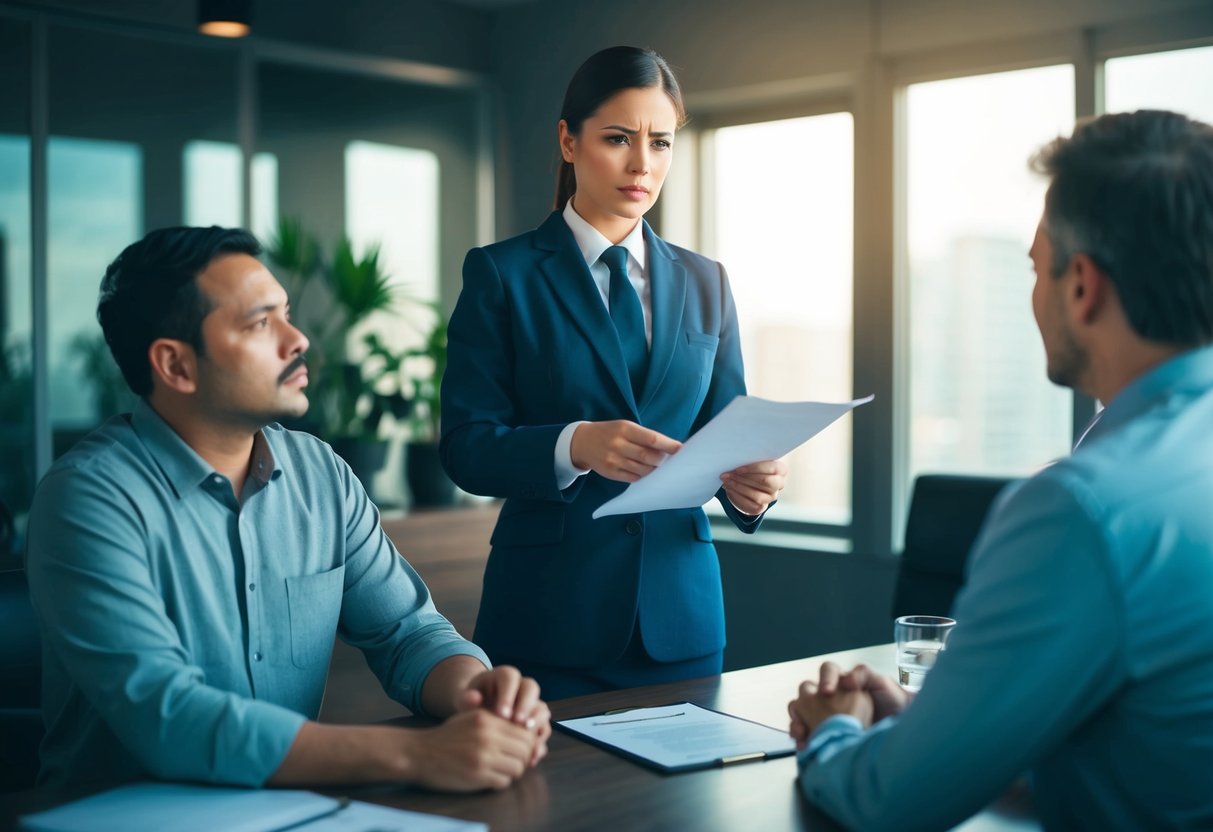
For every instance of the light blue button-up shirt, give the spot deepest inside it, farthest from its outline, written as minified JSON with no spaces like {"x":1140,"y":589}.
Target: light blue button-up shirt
{"x":1083,"y":649}
{"x":186,"y":635}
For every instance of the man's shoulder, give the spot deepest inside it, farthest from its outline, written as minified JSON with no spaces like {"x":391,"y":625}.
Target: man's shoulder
{"x":1162,"y":451}
{"x":111,"y":451}
{"x":307,"y":454}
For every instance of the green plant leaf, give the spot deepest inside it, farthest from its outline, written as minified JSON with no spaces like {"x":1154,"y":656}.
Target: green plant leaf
{"x":359,"y":285}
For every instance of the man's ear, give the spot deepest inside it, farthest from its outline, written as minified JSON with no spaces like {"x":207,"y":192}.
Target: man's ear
{"x":175,"y":364}
{"x":1090,"y":290}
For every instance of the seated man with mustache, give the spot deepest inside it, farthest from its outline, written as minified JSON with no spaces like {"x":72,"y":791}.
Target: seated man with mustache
{"x":192,"y":561}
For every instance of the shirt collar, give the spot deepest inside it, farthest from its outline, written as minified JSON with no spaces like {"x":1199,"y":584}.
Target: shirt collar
{"x":593,"y":244}
{"x":181,"y":464}
{"x":1189,"y":373}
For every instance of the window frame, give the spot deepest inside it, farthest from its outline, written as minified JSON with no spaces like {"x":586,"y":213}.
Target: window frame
{"x":732,"y":109}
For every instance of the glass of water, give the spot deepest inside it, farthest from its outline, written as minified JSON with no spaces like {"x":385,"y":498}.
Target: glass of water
{"x":919,"y":640}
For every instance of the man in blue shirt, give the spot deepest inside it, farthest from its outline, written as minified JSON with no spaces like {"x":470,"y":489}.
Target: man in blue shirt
{"x":191,"y":563}
{"x":1083,"y":651}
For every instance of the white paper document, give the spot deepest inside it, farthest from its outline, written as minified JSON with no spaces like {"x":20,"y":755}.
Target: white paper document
{"x":682,"y":737}
{"x":156,"y":807}
{"x":748,"y":430}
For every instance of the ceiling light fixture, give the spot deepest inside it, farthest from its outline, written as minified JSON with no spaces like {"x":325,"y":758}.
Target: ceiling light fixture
{"x":225,"y":18}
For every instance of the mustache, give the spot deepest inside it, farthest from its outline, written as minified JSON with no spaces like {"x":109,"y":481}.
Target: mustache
{"x":293,"y":367}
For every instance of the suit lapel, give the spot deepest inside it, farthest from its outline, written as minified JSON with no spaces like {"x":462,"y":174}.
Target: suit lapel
{"x":667,"y":295}
{"x":570,"y":282}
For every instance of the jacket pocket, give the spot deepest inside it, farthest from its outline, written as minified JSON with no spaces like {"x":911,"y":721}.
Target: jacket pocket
{"x":529,"y":525}
{"x":314,"y":606}
{"x":704,"y":341}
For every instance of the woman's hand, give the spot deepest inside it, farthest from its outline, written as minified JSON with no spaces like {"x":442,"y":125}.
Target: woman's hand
{"x":751,"y":488}
{"x":620,"y":450}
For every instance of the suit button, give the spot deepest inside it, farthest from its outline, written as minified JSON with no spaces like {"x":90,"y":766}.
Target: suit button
{"x":632,"y":527}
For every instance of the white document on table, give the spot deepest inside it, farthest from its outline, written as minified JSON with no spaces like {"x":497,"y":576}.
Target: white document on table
{"x":748,"y":430}
{"x":681,"y":737}
{"x":154,"y":807}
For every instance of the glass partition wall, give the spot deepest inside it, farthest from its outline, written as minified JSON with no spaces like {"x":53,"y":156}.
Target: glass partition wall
{"x":17,"y":472}
{"x":127,"y":116}
{"x":129,"y":129}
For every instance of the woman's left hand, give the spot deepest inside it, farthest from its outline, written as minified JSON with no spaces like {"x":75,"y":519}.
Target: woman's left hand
{"x":751,"y":488}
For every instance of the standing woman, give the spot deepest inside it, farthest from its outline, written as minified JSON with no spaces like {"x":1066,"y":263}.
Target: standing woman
{"x":580,"y":355}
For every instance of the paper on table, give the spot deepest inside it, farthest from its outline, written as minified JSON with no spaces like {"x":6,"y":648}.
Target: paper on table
{"x":748,"y":430}
{"x":182,"y":808}
{"x":682,"y":736}
{"x":159,"y":806}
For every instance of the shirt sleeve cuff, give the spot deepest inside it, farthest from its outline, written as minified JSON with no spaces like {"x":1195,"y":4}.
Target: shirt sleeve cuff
{"x":265,"y":748}
{"x":566,"y":472}
{"x":834,"y":728}
{"x":439,"y":647}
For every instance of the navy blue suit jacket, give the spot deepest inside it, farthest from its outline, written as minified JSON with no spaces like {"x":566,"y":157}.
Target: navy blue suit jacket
{"x":531,"y":349}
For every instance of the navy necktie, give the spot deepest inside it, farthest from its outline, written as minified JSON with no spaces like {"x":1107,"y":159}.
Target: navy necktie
{"x":628,"y":316}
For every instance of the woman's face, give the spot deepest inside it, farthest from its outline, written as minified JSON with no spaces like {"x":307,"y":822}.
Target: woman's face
{"x":621,"y":158}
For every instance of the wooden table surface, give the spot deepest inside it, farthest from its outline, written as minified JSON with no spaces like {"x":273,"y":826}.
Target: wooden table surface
{"x":582,"y":787}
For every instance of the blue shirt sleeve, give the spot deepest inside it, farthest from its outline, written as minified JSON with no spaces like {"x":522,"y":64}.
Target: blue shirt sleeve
{"x":387,"y":611}
{"x":1034,"y":653}
{"x":102,"y":617}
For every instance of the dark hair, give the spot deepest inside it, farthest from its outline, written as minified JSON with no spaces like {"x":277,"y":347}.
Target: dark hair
{"x":601,"y":76}
{"x":150,"y":291}
{"x":1134,"y":192}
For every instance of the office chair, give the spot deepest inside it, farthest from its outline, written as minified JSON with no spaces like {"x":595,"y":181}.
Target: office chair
{"x":21,"y":727}
{"x":946,"y":513}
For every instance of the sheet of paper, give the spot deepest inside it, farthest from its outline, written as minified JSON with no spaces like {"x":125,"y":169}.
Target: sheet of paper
{"x":155,"y":807}
{"x":676,"y":736}
{"x":748,"y":430}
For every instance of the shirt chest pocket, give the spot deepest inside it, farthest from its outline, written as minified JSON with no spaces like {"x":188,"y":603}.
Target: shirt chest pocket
{"x":314,"y":606}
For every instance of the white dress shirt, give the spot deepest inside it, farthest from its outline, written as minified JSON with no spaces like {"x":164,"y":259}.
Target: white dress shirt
{"x":592,"y":244}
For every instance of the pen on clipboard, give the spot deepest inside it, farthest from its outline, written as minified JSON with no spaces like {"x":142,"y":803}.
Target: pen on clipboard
{"x":636,"y":719}
{"x":742,"y":758}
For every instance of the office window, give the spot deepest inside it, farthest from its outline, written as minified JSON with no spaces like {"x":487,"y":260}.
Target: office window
{"x":391,"y":198}
{"x":979,"y":400}
{"x":212,"y":183}
{"x":780,"y":219}
{"x":213,"y":188}
{"x":265,"y":196}
{"x":1161,"y":81}
{"x":96,"y":208}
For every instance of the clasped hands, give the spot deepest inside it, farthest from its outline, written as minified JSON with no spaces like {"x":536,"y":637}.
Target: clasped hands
{"x":862,"y":693}
{"x":624,"y":451}
{"x":500,"y":728}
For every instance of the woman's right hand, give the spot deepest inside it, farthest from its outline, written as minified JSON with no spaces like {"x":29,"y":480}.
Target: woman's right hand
{"x":619,"y":450}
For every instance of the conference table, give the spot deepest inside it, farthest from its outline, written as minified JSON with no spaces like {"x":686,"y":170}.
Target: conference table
{"x":582,"y":787}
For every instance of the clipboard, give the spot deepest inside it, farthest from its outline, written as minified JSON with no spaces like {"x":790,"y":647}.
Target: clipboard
{"x":680,"y":737}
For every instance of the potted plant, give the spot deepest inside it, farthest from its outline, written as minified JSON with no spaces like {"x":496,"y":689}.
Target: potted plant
{"x":333,"y":298}
{"x":427,"y":480}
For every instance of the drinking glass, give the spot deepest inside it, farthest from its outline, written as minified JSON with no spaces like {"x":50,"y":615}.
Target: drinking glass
{"x":919,"y":640}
